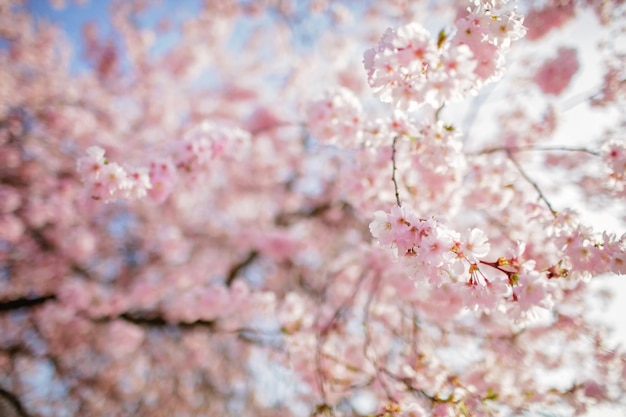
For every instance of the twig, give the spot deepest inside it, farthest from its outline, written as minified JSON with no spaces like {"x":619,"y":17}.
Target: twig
{"x":368,"y":342}
{"x":234,"y":271}
{"x":434,"y":399}
{"x":393,"y":172}
{"x":531,"y":148}
{"x":148,"y":320}
{"x":581,"y":98}
{"x":531,"y":182}
{"x":322,"y":335}
{"x":438,"y":112}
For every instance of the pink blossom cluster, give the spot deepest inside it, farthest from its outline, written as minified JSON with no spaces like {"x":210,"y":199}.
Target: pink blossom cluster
{"x":613,"y":86}
{"x":437,"y":159}
{"x":586,"y":252}
{"x":555,"y":74}
{"x":108,"y":181}
{"x":11,"y":227}
{"x":163,"y":178}
{"x":548,"y":17}
{"x":436,"y":253}
{"x":207,"y":142}
{"x":429,"y":157}
{"x":614,"y":156}
{"x":190,"y":157}
{"x":409,"y":67}
{"x":336,"y":117}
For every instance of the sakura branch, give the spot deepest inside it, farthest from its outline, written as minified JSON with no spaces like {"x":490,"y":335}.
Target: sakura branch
{"x":531,"y":182}
{"x":236,"y":269}
{"x":368,"y":346}
{"x":534,"y":148}
{"x":394,"y":170}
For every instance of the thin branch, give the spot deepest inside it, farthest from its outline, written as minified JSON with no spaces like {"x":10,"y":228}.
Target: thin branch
{"x":237,"y":268}
{"x":319,"y":378}
{"x":368,"y":342}
{"x":581,"y":98}
{"x":531,"y":148}
{"x":498,"y":224}
{"x":287,"y":218}
{"x":323,"y":333}
{"x":24,"y":302}
{"x":531,"y":182}
{"x":158,"y":321}
{"x":150,"y":320}
{"x":393,"y":172}
{"x":438,"y":112}
{"x":406,"y":381}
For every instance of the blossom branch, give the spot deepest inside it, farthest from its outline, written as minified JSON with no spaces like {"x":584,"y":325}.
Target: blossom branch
{"x":237,"y":268}
{"x":531,"y":182}
{"x":531,"y":148}
{"x":394,"y":169}
{"x":420,"y":393}
{"x":319,"y":378}
{"x":247,"y":334}
{"x":288,"y":218}
{"x":581,"y":98}
{"x":158,"y":321}
{"x":321,"y":338}
{"x":438,"y":112}
{"x":368,"y":342}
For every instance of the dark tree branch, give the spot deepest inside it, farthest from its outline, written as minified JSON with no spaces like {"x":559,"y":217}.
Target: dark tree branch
{"x":246,"y":334}
{"x":237,"y":268}
{"x":16,"y":304}
{"x":14,"y":405}
{"x":158,"y":321}
{"x":285,"y":219}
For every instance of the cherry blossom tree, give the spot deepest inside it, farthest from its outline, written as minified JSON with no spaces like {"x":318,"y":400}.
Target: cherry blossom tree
{"x":310,"y":208}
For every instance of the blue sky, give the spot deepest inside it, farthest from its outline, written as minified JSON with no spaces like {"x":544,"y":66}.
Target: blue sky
{"x":73,"y":17}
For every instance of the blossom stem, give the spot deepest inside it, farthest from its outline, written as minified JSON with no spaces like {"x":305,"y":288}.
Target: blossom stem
{"x":496,"y":266}
{"x":393,"y":172}
{"x":531,"y":182}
